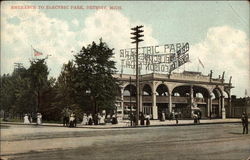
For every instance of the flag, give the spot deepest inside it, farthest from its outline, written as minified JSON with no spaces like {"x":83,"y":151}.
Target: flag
{"x":201,"y":63}
{"x":37,"y":53}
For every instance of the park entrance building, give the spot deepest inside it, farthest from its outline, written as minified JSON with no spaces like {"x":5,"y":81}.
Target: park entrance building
{"x":178,"y":92}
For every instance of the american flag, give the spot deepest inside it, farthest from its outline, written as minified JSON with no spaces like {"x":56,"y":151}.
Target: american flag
{"x":37,"y":53}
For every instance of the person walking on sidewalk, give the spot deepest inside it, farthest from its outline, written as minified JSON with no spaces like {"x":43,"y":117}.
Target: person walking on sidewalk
{"x":244,"y":119}
{"x":26,"y":119}
{"x":39,"y":119}
{"x":176,"y":117}
{"x":147,"y":119}
{"x":142,"y":118}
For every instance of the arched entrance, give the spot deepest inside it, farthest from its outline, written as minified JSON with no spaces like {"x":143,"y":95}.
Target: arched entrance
{"x":147,"y":99}
{"x":162,"y":99}
{"x":184,"y":96}
{"x":129,"y":99}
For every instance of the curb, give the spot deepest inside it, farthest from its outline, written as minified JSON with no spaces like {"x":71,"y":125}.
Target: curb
{"x":118,"y":127}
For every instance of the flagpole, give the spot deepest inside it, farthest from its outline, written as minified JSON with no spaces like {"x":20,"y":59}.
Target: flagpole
{"x":31,"y":52}
{"x":198,"y":65}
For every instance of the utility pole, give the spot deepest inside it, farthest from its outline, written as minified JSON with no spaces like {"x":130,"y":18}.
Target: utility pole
{"x":136,"y":37}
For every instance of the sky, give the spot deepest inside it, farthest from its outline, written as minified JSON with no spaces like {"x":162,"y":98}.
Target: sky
{"x":217,"y":32}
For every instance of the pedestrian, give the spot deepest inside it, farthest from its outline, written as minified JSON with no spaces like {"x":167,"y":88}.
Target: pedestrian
{"x":99,"y":118}
{"x":26,"y":119}
{"x":39,"y":119}
{"x":131,"y":117}
{"x":90,"y":119}
{"x":84,"y":119}
{"x":95,"y":119}
{"x":66,"y":114}
{"x":244,"y":119}
{"x":114,"y":119}
{"x":142,"y":118}
{"x":163,"y":116}
{"x":108,"y":119}
{"x":72,"y":120}
{"x":102,"y":119}
{"x":198,"y":116}
{"x":147,"y":120}
{"x":195,"y":118}
{"x":176,"y":118}
{"x":30,"y":118}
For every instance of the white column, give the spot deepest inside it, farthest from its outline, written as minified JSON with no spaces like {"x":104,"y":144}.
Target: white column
{"x":122,"y":100}
{"x":209,"y":106}
{"x":223,"y":110}
{"x":170,"y":101}
{"x":208,"y":109}
{"x":220,"y":107}
{"x":154,"y":106}
{"x":191,"y":100}
{"x":140,"y":99}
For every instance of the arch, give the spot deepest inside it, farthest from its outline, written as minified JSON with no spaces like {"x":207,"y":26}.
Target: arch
{"x":146,"y":90}
{"x":127,"y":90}
{"x":181,"y":90}
{"x":160,"y":84}
{"x":226,"y":94}
{"x":162,"y":90}
{"x":184,"y":90}
{"x":217,"y":92}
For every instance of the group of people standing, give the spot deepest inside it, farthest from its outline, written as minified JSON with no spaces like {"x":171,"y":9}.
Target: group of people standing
{"x":143,"y":118}
{"x":28,"y":119}
{"x":171,"y":116}
{"x":70,"y":119}
{"x":98,"y":119}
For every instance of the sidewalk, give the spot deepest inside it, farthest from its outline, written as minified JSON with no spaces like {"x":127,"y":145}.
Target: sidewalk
{"x":153,"y":123}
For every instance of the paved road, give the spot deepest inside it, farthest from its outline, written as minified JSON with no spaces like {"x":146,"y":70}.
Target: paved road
{"x":208,"y":142}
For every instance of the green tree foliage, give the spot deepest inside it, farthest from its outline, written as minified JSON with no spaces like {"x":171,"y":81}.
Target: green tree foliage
{"x":7,"y":96}
{"x":65,"y":94}
{"x":94,"y":70}
{"x":23,"y":90}
{"x":16,"y":93}
{"x":85,"y":84}
{"x":38,"y":74}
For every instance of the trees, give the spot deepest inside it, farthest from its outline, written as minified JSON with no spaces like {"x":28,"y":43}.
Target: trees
{"x":94,"y":79}
{"x":16,"y":94}
{"x":38,"y":75}
{"x":85,"y":84}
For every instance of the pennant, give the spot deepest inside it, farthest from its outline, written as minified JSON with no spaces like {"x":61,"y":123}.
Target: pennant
{"x":37,"y":53}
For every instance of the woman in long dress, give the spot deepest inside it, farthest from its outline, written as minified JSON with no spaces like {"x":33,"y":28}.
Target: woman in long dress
{"x":26,"y":119}
{"x":39,"y":118}
{"x":84,"y":119}
{"x":102,"y":119}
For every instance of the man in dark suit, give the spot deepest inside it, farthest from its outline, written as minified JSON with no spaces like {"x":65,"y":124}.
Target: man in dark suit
{"x":244,"y":119}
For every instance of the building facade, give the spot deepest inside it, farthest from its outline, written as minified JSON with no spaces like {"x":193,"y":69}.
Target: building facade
{"x":240,"y":105}
{"x":179,"y":92}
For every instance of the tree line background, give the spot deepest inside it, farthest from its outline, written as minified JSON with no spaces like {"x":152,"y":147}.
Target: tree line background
{"x":85,"y":84}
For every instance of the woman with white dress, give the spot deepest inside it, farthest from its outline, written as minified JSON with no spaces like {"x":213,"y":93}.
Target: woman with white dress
{"x":84,"y":119}
{"x":26,"y":119}
{"x":102,"y":119}
{"x":39,"y":118}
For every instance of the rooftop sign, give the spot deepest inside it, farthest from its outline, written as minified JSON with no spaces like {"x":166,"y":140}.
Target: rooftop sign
{"x":159,"y":58}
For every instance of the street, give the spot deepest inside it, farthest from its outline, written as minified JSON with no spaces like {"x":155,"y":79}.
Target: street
{"x":213,"y":141}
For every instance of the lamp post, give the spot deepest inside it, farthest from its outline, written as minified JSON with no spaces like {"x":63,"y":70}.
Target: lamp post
{"x":136,"y":37}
